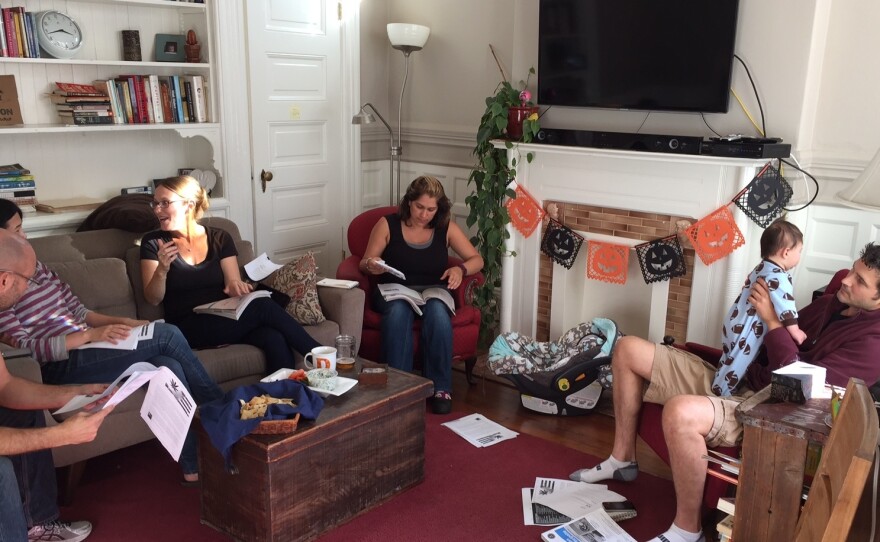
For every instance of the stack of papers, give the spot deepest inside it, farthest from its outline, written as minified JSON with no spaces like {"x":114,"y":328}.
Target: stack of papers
{"x":565,"y":499}
{"x":480,"y":431}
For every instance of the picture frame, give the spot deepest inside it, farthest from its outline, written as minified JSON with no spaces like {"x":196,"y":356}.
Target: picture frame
{"x":169,"y":48}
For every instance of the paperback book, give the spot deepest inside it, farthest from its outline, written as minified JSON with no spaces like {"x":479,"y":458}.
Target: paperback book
{"x":231,"y":307}
{"x":392,"y":292}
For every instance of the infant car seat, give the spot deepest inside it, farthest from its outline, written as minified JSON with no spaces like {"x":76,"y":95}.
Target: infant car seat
{"x":565,"y":377}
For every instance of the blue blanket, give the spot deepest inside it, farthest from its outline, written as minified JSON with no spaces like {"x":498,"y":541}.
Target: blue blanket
{"x":222,"y":421}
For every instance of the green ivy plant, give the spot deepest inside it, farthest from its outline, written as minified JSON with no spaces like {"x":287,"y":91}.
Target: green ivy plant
{"x":490,"y":177}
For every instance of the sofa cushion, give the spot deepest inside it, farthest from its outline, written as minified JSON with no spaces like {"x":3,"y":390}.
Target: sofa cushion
{"x":101,"y":284}
{"x":233,"y":362}
{"x":299,"y":280}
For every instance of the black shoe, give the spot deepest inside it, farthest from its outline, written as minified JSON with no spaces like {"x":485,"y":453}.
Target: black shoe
{"x":441,"y":403}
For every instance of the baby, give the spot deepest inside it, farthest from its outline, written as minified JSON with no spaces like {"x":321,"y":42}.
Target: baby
{"x":743,"y":330}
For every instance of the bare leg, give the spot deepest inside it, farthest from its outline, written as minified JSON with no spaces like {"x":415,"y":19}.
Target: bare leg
{"x":687,"y":419}
{"x":631,"y":366}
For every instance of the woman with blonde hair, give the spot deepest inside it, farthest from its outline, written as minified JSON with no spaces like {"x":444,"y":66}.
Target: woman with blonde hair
{"x":416,"y":240}
{"x":185,"y":264}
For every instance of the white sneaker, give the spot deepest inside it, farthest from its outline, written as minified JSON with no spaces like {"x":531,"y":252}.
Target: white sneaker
{"x":58,"y":530}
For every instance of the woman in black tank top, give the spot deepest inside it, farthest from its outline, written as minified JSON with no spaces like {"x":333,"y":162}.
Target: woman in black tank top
{"x":416,"y":240}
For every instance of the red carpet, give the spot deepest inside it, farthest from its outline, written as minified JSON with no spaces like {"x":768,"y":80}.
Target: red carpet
{"x":468,"y":493}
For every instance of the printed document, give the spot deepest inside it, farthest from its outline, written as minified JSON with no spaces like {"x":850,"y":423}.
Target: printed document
{"x":138,"y":333}
{"x":168,"y":408}
{"x":480,"y":431}
{"x":597,"y":526}
{"x":261,"y":267}
{"x":573,"y":499}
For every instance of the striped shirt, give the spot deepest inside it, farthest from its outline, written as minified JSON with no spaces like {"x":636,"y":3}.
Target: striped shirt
{"x":46,"y":313}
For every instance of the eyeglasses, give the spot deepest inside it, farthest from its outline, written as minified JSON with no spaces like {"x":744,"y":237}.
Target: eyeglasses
{"x":163,"y":204}
{"x":30,"y":280}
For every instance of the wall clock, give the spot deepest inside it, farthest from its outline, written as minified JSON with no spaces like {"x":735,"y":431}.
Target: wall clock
{"x":58,"y":34}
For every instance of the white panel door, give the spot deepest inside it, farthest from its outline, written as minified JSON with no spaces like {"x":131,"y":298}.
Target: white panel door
{"x":295,"y":64}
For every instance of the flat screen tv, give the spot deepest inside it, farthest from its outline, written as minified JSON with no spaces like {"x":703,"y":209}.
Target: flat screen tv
{"x":670,"y":55}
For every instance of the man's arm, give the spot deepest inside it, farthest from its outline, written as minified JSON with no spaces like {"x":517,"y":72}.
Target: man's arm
{"x":82,"y":427}
{"x":22,"y":394}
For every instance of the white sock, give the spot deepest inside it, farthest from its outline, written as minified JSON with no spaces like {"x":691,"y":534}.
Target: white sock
{"x":606,"y":470}
{"x":677,"y":534}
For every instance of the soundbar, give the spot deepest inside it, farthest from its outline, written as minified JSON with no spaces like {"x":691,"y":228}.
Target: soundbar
{"x":745,"y":149}
{"x":621,"y":140}
{"x":738,"y":148}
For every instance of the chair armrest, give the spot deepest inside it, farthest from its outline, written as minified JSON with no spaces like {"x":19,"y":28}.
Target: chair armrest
{"x":25,"y":367}
{"x":350,"y":269}
{"x":464,"y":294}
{"x":345,"y":307}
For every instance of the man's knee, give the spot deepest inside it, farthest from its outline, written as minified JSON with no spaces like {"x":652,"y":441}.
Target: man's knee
{"x":631,"y":351}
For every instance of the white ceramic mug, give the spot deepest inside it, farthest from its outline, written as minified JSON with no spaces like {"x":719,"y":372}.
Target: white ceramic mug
{"x":324,"y":357}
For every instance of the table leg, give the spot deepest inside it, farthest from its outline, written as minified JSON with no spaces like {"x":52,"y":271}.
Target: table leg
{"x":768,"y":495}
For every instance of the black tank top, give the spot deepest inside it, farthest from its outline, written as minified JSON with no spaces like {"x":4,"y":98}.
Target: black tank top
{"x":422,"y":266}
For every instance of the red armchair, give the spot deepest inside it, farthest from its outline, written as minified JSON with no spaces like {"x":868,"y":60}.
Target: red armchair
{"x":465,"y":323}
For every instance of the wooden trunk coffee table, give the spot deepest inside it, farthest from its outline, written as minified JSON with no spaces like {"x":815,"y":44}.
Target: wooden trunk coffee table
{"x":366,"y":446}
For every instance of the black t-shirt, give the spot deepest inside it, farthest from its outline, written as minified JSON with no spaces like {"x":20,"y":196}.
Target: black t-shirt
{"x":188,"y":286}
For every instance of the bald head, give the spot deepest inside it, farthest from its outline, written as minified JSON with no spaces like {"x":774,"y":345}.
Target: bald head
{"x":17,"y":263}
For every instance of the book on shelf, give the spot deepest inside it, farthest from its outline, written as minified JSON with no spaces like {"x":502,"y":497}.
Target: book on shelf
{"x":231,"y":307}
{"x":727,"y":505}
{"x":722,"y":475}
{"x":725,"y":462}
{"x":58,"y":99}
{"x":10,"y":193}
{"x":196,"y":83}
{"x":725,"y":526}
{"x":13,"y":170}
{"x":391,"y":292}
{"x":156,"y":98}
{"x":87,"y":121}
{"x":66,"y":205}
{"x":77,"y":89}
{"x":177,"y":96}
{"x":3,"y":49}
{"x":16,"y":183}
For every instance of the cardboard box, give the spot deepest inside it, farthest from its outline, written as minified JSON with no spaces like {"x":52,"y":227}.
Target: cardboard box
{"x":10,"y":110}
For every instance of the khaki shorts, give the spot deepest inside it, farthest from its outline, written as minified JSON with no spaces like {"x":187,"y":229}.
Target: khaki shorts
{"x":676,"y":372}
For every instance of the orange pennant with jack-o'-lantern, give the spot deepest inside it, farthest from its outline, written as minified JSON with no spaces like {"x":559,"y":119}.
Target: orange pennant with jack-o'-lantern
{"x":715,"y":236}
{"x":607,"y":261}
{"x":525,"y":213}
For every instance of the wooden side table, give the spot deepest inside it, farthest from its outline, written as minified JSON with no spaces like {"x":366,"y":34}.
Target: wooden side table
{"x":774,"y":451}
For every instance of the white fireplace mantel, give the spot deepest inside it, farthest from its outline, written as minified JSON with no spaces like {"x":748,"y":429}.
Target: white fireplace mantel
{"x":669,"y":184}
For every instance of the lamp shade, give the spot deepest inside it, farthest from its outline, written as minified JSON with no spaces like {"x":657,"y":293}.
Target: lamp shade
{"x":864,"y":192}
{"x":404,"y":35}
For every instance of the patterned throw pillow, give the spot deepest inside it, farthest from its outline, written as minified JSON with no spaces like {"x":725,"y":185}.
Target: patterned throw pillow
{"x":298,"y":279}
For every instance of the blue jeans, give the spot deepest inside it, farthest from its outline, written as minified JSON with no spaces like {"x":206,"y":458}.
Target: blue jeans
{"x":263,"y":324}
{"x":167,"y":348}
{"x":28,"y":491}
{"x":13,"y":527}
{"x":435,"y":340}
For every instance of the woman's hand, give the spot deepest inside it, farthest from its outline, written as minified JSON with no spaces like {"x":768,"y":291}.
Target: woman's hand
{"x":454,"y":276}
{"x":112,"y":333}
{"x":167,"y":253}
{"x":133,"y":323}
{"x":371,"y":268}
{"x":237,"y":287}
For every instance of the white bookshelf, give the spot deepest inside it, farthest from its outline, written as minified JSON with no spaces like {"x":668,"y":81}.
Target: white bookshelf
{"x":97,"y":161}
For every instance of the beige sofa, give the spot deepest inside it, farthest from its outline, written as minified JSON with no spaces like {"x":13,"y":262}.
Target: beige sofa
{"x":103,"y":269}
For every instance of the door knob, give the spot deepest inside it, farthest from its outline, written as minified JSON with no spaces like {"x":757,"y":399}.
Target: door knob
{"x":265,"y":177}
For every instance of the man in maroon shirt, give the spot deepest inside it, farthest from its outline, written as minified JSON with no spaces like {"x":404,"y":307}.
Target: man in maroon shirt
{"x":843,"y":335}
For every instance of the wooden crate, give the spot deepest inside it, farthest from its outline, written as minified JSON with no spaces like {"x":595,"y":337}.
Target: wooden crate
{"x":365,"y":447}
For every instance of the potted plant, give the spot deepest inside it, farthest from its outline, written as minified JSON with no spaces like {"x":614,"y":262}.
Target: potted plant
{"x":511,"y":115}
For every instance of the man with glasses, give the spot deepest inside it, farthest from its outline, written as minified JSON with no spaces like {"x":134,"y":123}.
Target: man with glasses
{"x":28,"y":489}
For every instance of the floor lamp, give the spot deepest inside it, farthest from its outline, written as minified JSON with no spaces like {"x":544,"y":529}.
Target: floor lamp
{"x":365,"y":117}
{"x":406,"y":38}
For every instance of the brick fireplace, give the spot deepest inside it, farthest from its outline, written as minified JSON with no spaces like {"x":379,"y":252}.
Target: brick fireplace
{"x":626,"y":225}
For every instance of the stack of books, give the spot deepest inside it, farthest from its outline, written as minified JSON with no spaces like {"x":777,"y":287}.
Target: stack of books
{"x":17,"y":33}
{"x":81,"y":104}
{"x":17,"y":184}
